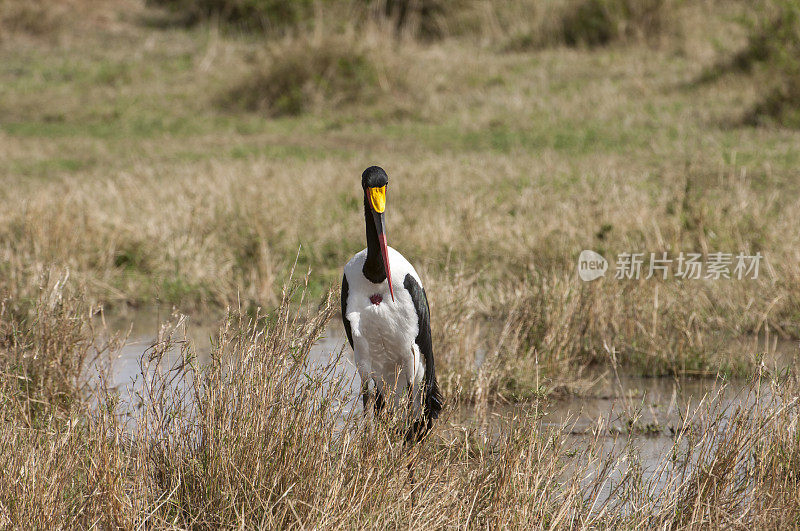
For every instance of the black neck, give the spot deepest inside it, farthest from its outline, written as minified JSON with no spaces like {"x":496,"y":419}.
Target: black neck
{"x":373,"y":267}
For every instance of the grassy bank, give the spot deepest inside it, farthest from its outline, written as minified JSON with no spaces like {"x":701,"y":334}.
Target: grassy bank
{"x":255,"y":440}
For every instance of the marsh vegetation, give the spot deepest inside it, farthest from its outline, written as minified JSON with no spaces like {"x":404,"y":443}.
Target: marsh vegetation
{"x":192,"y":154}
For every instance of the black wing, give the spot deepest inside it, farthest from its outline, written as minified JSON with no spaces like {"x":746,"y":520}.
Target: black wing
{"x":433,"y":398}
{"x":347,"y":329}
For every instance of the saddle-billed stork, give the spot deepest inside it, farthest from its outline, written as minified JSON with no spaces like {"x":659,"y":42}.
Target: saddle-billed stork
{"x":387,"y":320}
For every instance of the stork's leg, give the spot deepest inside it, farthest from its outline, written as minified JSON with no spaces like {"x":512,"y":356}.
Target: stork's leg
{"x":415,"y":373}
{"x":380,"y":402}
{"x":365,"y":395}
{"x":363,"y":365}
{"x":420,"y":423}
{"x":412,"y":481}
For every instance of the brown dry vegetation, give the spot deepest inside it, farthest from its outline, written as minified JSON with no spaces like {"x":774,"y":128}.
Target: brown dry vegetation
{"x":256,"y":440}
{"x":194,"y":166}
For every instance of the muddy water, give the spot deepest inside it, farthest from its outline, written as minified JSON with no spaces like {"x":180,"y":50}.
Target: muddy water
{"x":142,"y":329}
{"x":622,"y":410}
{"x":657,"y":402}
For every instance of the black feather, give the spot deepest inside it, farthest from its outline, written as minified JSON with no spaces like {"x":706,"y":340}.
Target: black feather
{"x":345,"y":292}
{"x":432,"y":396}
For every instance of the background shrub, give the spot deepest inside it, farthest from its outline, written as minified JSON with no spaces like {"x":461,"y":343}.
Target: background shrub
{"x":263,"y":15}
{"x":30,"y":17}
{"x":299,"y":75}
{"x":775,"y":41}
{"x":600,"y":22}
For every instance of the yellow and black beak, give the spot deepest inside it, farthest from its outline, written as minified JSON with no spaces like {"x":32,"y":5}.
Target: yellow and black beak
{"x":377,"y":201}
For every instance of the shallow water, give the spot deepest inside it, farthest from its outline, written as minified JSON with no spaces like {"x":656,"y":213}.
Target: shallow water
{"x":143,"y":327}
{"x":658,"y":402}
{"x":621,"y":410}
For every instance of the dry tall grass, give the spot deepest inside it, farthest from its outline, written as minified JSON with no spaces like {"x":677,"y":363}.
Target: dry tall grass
{"x":231,"y":234}
{"x":256,"y":439}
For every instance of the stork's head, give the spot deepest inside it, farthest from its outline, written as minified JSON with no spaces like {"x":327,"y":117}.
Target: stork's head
{"x":374,"y":177}
{"x":374,"y":181}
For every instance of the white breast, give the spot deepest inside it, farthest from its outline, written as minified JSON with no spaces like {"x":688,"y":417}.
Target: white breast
{"x":384,"y":334}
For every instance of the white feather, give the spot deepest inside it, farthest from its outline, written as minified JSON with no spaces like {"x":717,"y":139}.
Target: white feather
{"x":384,"y":334}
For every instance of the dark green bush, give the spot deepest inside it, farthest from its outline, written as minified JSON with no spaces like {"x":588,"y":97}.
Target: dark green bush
{"x":774,"y":41}
{"x":295,"y":78}
{"x":31,"y":17}
{"x":600,"y":22}
{"x":781,"y":104}
{"x":426,"y":19}
{"x":260,"y":15}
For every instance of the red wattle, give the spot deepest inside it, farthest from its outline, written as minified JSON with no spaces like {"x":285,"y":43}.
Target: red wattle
{"x":385,"y":252}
